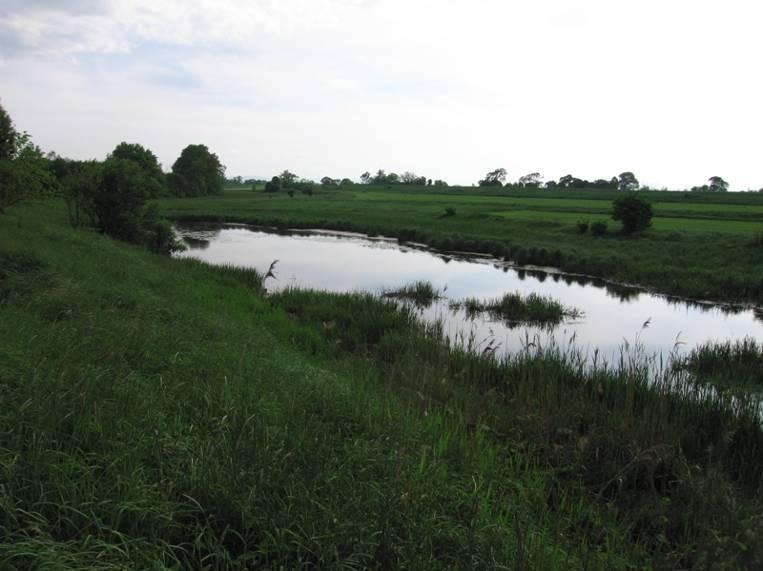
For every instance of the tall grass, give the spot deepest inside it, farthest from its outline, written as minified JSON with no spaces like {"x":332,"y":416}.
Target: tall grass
{"x":161,"y":413}
{"x":515,"y":308}
{"x":422,"y":293}
{"x":734,"y":365}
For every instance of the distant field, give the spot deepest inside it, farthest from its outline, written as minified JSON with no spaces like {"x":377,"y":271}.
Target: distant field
{"x":668,"y":215}
{"x":660,"y":223}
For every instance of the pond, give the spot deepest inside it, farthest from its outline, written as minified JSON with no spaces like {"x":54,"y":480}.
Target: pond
{"x":614,"y":316}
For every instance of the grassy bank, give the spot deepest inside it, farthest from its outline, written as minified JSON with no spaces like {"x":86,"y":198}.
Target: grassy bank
{"x":700,"y":246}
{"x":159,"y":413}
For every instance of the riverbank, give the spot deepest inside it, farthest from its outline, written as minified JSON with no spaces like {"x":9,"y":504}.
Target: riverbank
{"x":697,"y":249}
{"x":161,"y":412}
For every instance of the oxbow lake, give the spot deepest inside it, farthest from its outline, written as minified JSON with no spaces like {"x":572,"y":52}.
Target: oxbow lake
{"x":615,"y":317}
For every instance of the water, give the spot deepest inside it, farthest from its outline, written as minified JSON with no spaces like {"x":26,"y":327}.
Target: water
{"x":613,"y":315}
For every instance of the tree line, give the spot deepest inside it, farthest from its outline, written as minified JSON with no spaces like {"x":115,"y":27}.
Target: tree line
{"x":111,"y":195}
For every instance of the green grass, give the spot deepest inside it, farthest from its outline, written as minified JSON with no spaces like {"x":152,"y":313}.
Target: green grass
{"x":736,"y":366}
{"x":706,"y":252}
{"x":160,"y":413}
{"x":745,"y":229}
{"x":514,"y":308}
{"x":421,"y":293}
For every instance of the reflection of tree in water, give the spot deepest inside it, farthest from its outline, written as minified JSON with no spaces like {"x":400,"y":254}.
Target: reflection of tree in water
{"x":196,"y":243}
{"x":758,"y":313}
{"x":622,"y":293}
{"x":705,"y":307}
{"x":199,"y":236}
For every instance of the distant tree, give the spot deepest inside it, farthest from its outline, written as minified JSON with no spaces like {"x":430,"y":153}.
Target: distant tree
{"x":627,"y":181}
{"x":365,"y":178}
{"x":7,"y":136}
{"x":288,"y":178}
{"x":494,"y":178}
{"x":551,"y":184}
{"x":429,"y":182}
{"x":409,"y":177}
{"x":531,"y":180}
{"x":147,"y":161}
{"x":440,"y":183}
{"x":273,"y":185}
{"x":345,"y":182}
{"x":196,"y":172}
{"x":717,"y":184}
{"x":633,"y":211}
{"x":393,"y":178}
{"x":328,"y":181}
{"x":566,"y":181}
{"x":601,"y":183}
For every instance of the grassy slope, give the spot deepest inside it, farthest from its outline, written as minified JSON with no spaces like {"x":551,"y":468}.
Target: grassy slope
{"x":155,"y":413}
{"x":702,"y":248}
{"x":158,"y":413}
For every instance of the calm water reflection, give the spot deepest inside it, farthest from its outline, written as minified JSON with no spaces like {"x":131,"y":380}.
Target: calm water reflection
{"x":342,"y":263}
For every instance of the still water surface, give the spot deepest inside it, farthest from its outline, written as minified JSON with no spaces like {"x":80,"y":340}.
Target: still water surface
{"x":613,"y":315}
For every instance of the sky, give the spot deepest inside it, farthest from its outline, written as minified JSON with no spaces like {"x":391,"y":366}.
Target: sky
{"x":448,"y":89}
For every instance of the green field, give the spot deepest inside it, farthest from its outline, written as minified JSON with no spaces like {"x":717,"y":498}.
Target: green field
{"x":701,"y":246}
{"x":158,"y":413}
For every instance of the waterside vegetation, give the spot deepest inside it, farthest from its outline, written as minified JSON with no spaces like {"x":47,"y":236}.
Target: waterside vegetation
{"x":163,"y":413}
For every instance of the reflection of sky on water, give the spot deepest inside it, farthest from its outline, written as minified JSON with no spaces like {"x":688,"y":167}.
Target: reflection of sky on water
{"x":340,"y":264}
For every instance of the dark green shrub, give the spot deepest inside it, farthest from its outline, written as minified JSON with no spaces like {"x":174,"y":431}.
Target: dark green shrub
{"x":633,"y":211}
{"x":599,"y":228}
{"x":582,"y":226}
{"x":449,"y":211}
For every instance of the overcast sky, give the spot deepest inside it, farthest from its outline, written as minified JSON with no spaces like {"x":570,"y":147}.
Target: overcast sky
{"x":669,"y":89}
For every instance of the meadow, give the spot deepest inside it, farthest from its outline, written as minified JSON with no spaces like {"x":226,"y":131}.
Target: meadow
{"x":160,"y":413}
{"x":700,"y":245}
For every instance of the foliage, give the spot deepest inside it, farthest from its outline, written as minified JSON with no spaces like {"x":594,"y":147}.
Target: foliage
{"x":582,"y":226}
{"x":599,"y":228}
{"x":196,"y":172}
{"x":531,"y":180}
{"x":273,"y":185}
{"x":716,"y":184}
{"x":450,"y":211}
{"x":494,"y":178}
{"x":25,"y":174}
{"x":147,"y":161}
{"x":633,"y":211}
{"x":8,"y":136}
{"x":111,"y":196}
{"x":627,"y":181}
{"x":79,"y":187}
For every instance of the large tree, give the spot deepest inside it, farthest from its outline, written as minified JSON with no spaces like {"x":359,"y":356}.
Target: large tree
{"x":146,"y":160}
{"x":24,"y":171}
{"x":7,"y":136}
{"x":197,"y":172}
